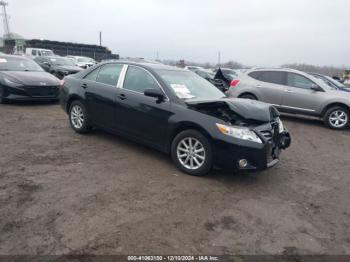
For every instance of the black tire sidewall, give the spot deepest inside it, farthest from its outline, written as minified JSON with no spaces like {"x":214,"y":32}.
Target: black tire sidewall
{"x":206,"y":167}
{"x":85,"y":128}
{"x":248,"y":96}
{"x":330,"y":111}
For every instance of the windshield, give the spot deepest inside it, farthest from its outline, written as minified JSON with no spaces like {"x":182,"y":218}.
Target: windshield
{"x":61,"y":61}
{"x":188,"y":85}
{"x":85,"y":59}
{"x":335,"y":82}
{"x":46,"y":53}
{"x":18,"y":64}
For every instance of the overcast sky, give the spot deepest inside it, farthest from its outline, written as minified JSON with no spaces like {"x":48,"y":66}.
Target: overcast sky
{"x":253,"y":32}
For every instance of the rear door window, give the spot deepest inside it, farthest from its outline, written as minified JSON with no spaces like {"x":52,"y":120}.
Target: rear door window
{"x":274,"y":77}
{"x":296,"y":80}
{"x":109,"y":74}
{"x":92,"y":76}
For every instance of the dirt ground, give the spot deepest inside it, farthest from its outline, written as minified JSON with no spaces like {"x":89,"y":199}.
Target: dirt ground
{"x":64,"y":193}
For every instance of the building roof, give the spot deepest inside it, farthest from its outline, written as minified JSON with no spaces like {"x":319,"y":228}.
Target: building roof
{"x":13,"y":36}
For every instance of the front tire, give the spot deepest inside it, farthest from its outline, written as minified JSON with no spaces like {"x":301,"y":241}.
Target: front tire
{"x":78,"y":117}
{"x":191,"y":152}
{"x":337,"y":118}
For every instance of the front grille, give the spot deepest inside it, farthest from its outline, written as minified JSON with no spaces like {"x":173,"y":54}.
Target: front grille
{"x":271,"y":134}
{"x":38,"y":91}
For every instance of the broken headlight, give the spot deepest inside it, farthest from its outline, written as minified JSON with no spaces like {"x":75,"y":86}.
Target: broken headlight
{"x":239,"y":132}
{"x":280,"y":126}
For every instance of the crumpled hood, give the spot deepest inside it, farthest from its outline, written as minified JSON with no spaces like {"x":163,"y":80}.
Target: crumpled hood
{"x":31,"y":78}
{"x":246,"y":108}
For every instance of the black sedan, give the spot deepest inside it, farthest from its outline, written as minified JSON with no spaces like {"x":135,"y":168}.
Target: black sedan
{"x":177,"y":112}
{"x":58,"y":66}
{"x":23,"y":79}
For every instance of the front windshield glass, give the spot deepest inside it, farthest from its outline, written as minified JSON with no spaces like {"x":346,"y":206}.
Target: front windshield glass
{"x":61,"y":61}
{"x":18,"y":64}
{"x":335,"y":82}
{"x":188,"y":85}
{"x":47,"y":53}
{"x":85,"y":59}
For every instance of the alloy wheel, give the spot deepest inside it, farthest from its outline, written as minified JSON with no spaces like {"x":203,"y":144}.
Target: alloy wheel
{"x":77,"y":117}
{"x":338,"y":119}
{"x":191,"y":153}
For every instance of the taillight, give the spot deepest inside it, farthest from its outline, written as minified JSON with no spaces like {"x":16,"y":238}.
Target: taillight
{"x":234,"y":82}
{"x":62,"y":82}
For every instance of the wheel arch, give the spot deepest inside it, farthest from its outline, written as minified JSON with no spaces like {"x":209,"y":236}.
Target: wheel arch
{"x":334,"y":104}
{"x":248,"y":93}
{"x":180,"y":127}
{"x":71,"y":99}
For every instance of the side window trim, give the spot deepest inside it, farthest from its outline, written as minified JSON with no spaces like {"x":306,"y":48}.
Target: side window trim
{"x":159,"y":85}
{"x":121,"y":79}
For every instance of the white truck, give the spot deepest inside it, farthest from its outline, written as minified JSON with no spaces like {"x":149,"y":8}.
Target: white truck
{"x":35,"y":52}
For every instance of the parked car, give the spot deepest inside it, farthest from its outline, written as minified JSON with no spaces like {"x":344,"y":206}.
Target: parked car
{"x":35,"y":52}
{"x":295,"y":92}
{"x":82,"y":61}
{"x":210,"y":76}
{"x":228,"y":73}
{"x":22,"y":79}
{"x":331,"y":82}
{"x":58,"y":66}
{"x":177,"y":112}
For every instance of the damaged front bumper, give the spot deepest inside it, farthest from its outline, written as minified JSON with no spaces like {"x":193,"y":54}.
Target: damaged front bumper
{"x":251,"y":156}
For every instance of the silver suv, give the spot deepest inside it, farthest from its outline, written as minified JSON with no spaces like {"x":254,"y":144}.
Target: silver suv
{"x":292,"y":91}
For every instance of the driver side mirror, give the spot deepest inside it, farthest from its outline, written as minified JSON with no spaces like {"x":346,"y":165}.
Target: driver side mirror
{"x":156,"y":93}
{"x":316,"y":88}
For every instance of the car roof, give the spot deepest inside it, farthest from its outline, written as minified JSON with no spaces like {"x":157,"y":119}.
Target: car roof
{"x":148,"y":65}
{"x":4,"y":56}
{"x":284,"y":69}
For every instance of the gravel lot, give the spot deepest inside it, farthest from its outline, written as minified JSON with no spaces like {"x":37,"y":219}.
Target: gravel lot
{"x":63,"y":193}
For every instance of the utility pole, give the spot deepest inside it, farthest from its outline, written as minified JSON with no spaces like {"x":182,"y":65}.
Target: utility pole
{"x":5,"y":18}
{"x":100,"y":38}
{"x":219,"y":58}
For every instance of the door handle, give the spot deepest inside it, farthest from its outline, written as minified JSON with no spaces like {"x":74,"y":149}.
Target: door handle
{"x":84,"y":85}
{"x":289,"y":91}
{"x":122,"y":96}
{"x":258,"y":85}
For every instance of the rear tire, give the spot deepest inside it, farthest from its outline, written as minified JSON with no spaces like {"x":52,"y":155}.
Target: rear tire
{"x":191,"y":153}
{"x":337,"y":118}
{"x":249,"y":96}
{"x":78,"y":117}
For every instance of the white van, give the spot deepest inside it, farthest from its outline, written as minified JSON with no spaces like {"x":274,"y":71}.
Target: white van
{"x":35,"y":52}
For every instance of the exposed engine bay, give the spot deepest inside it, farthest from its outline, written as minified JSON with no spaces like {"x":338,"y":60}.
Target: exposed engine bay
{"x":221,"y":111}
{"x":242,"y":112}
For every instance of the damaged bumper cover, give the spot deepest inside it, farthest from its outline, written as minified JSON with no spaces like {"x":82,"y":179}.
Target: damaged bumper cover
{"x":238,"y":154}
{"x":257,"y":157}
